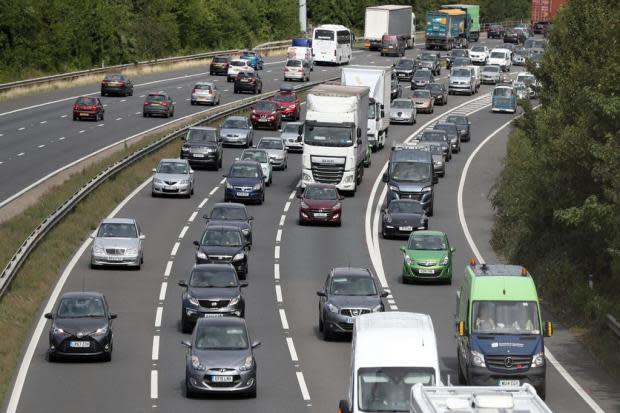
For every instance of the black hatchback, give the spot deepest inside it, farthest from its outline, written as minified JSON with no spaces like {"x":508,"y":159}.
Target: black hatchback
{"x":248,"y":82}
{"x":223,"y":244}
{"x":231,"y":213}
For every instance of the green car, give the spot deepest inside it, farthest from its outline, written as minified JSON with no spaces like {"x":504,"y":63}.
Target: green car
{"x":428,"y":257}
{"x":367,"y":159}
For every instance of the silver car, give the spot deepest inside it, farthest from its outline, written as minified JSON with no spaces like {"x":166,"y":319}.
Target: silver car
{"x":117,"y":241}
{"x":490,"y":74}
{"x":461,"y":81}
{"x":205,"y":92}
{"x":173,"y":177}
{"x":293,"y":136}
{"x":296,"y":69}
{"x":439,"y":159}
{"x":275,"y":150}
{"x":403,"y":111}
{"x":237,"y":130}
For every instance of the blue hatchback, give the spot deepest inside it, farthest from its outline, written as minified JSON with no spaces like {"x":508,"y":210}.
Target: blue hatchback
{"x":245,"y":182}
{"x":504,"y":99}
{"x":256,"y":61}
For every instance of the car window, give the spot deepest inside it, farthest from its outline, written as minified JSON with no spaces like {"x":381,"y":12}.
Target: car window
{"x":270,"y":144}
{"x":429,"y":242}
{"x":228,"y":213}
{"x":265,"y":106}
{"x":459,"y":120}
{"x":422,"y":74}
{"x":502,"y":92}
{"x":117,"y":230}
{"x":172,"y":168}
{"x":244,"y":171}
{"x":87,"y":101}
{"x":258,"y":156}
{"x":202,"y":86}
{"x":221,"y":337}
{"x":213,"y":278}
{"x":321,"y":193}
{"x":405,"y":207}
{"x":491,"y":69}
{"x":461,"y":72}
{"x":294,"y":63}
{"x":222,"y":237}
{"x":220,"y":59}
{"x":352,"y":285}
{"x":421,"y":94}
{"x":201,"y":135}
{"x":402,"y":104}
{"x":281,"y":97}
{"x":477,"y":49}
{"x":411,"y":172}
{"x":156,"y":98}
{"x":433,"y":136}
{"x":498,"y":55}
{"x":114,"y":77}
{"x":78,"y":307}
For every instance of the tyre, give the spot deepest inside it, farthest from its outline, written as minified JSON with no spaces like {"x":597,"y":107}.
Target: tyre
{"x":51,"y":357}
{"x":460,"y":376}
{"x":189,"y":392}
{"x":192,"y":103}
{"x":144,"y":114}
{"x":210,"y":73}
{"x":219,"y":163}
{"x":327,"y":334}
{"x":384,"y":233}
{"x":320,"y":324}
{"x":430,"y":211}
{"x":107,"y":357}
{"x":235,"y":91}
{"x":252,"y":393}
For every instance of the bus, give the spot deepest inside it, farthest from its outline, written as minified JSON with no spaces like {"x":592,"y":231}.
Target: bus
{"x":331,"y":43}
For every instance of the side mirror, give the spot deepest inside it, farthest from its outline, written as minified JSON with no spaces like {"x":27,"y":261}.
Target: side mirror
{"x":154,"y":170}
{"x":403,"y":249}
{"x":113,"y":316}
{"x":300,"y":131}
{"x":343,"y":407}
{"x":251,"y":218}
{"x":386,"y":177}
{"x":359,"y":132}
{"x":182,"y":283}
{"x":251,"y":107}
{"x":196,"y":243}
{"x":461,"y":328}
{"x":191,"y":171}
{"x":256,"y":344}
{"x":341,"y":197}
{"x":206,"y":217}
{"x":142,"y":237}
{"x":187,"y":344}
{"x":321,"y":293}
{"x":548,"y":329}
{"x":384,"y":294}
{"x":49,"y":316}
{"x":299,"y":138}
{"x":225,"y":175}
{"x":243,"y":284}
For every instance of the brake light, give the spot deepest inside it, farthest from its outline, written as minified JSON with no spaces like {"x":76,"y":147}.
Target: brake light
{"x":209,"y":92}
{"x":285,"y":69}
{"x":146,"y":102}
{"x":76,"y":107}
{"x":105,"y":82}
{"x":164,"y":103}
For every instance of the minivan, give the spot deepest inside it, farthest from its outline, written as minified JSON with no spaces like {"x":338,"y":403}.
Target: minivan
{"x":392,"y":45}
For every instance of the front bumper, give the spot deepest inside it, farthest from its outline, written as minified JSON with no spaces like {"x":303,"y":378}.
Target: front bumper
{"x":233,"y":194}
{"x":114,"y":90}
{"x":338,"y":323}
{"x":201,"y":381}
{"x":347,"y":183}
{"x":193,"y":313}
{"x":116,"y":260}
{"x":460,"y":88}
{"x":478,"y":59}
{"x":235,"y":140}
{"x":263,"y":123}
{"x":424,"y":109}
{"x":62,"y":346}
{"x":241,"y":266}
{"x":481,"y":376}
{"x":489,"y":80}
{"x":163,"y":189}
{"x":395,"y":231}
{"x":246,"y":87}
{"x":199,"y":158}
{"x":439,"y":272}
{"x":402,"y":118}
{"x":323,"y":216}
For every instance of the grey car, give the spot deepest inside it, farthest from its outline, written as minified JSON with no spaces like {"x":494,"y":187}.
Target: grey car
{"x":173,"y":177}
{"x":293,"y":136}
{"x":403,"y":111}
{"x":463,"y":123}
{"x":421,"y":78}
{"x":434,"y":135}
{"x":205,"y":92}
{"x":454,"y":136}
{"x":220,"y":358}
{"x":276,"y":150}
{"x":439,"y":159}
{"x":461,"y":81}
{"x":490,"y":74}
{"x":237,"y":130}
{"x":347,"y":293}
{"x":117,"y":241}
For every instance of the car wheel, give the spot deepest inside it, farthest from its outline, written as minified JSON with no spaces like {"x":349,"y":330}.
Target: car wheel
{"x":144,"y":114}
{"x":192,"y":103}
{"x":320,"y":322}
{"x":327,"y":334}
{"x":252,"y":393}
{"x":219,"y":163}
{"x":430,"y":211}
{"x":384,"y":233}
{"x":189,"y":392}
{"x":107,"y":357}
{"x":460,"y":376}
{"x":75,"y":117}
{"x":51,"y":357}
{"x":172,"y":113}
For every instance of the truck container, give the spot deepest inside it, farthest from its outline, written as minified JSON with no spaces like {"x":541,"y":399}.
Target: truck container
{"x":445,"y":29}
{"x":545,"y":10}
{"x":378,"y":80}
{"x":389,"y":19}
{"x":335,"y":136}
{"x":472,"y":22}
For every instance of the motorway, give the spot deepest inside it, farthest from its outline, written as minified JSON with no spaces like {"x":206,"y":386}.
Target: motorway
{"x":296,"y":369}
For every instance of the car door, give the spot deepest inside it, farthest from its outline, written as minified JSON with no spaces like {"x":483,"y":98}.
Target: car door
{"x":259,"y":82}
{"x":100,"y":108}
{"x":323,"y":300}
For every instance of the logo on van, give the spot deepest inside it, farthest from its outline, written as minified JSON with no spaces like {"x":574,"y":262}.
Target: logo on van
{"x":508,"y":362}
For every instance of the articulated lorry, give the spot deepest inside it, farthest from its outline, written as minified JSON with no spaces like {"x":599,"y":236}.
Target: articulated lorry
{"x":335,"y":136}
{"x":378,"y":80}
{"x":472,"y":20}
{"x":445,"y":29}
{"x":391,"y":20}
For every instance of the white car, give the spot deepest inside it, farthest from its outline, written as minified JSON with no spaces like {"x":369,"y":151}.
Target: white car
{"x":236,"y":66}
{"x":479,"y":54}
{"x":501,"y":58}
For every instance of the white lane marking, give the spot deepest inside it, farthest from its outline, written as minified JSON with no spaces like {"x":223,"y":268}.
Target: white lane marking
{"x":183,"y":231}
{"x":394,"y":307}
{"x":162,"y":292}
{"x":21,"y":154}
{"x":268,"y":71}
{"x":223,"y":181}
{"x":155,"y":351}
{"x":292,"y":195}
{"x":283,"y":319}
{"x":62,"y":138}
{"x":282,"y":218}
{"x":193,"y":216}
{"x":158,"y":315}
{"x":302,"y":385}
{"x":43,"y":122}
{"x":137,"y":113}
{"x":38,"y":331}
{"x":64,"y":116}
{"x":287,"y":206}
{"x":204,"y":201}
{"x":119,"y":118}
{"x":82,"y":131}
{"x":276,"y":252}
{"x":391,"y":301}
{"x":101,"y":124}
{"x":41,"y":146}
{"x":278,"y":293}
{"x":1,"y":162}
{"x":123,"y":100}
{"x":153,"y":384}
{"x":175,"y":248}
{"x":213,"y":191}
{"x":142,"y":96}
{"x":168,"y":269}
{"x":226,"y":90}
{"x":186,"y":99}
{"x":179,"y":87}
{"x":105,"y":106}
{"x":22,"y":128}
{"x":279,"y":235}
{"x":291,"y":349}
{"x":276,"y":271}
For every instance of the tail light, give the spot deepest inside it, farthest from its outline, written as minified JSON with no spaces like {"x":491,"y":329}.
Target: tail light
{"x":285,"y":69}
{"x":209,"y":92}
{"x":104,"y":82}
{"x":164,"y":103}
{"x":146,"y":102}
{"x":76,"y":107}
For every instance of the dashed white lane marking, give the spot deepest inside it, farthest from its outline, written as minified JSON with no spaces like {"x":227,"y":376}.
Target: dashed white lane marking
{"x":21,"y":154}
{"x":162,"y":292}
{"x":82,"y":131}
{"x":153,"y":384}
{"x":22,"y":128}
{"x":278,"y":293}
{"x":223,"y":181}
{"x":64,"y":116}
{"x":279,"y":235}
{"x":268,"y":71}
{"x":101,"y":124}
{"x":183,"y":231}
{"x":137,"y":113}
{"x":158,"y":315}
{"x":276,"y":79}
{"x":179,"y":87}
{"x":41,"y":146}
{"x":168,"y":269}
{"x":1,"y":162}
{"x":43,"y":122}
{"x":292,"y":195}
{"x":226,"y":90}
{"x":204,"y":201}
{"x":119,"y":118}
{"x":393,"y":307}
{"x":175,"y":248}
{"x":302,"y":385}
{"x":142,"y":96}
{"x":287,"y":206}
{"x":213,"y":191}
{"x":62,"y":138}
{"x":276,"y":252}
{"x":276,"y":271}
{"x":123,"y":100}
{"x":186,"y":99}
{"x":283,"y":319}
{"x":155,"y":351}
{"x":193,"y":216}
{"x":282,"y":218}
{"x":291,"y":349}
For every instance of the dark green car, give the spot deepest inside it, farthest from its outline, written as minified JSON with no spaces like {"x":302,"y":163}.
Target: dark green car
{"x":428,"y":257}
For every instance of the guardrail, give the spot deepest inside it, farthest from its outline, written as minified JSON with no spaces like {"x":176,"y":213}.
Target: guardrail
{"x":24,"y":250}
{"x":613,"y":324}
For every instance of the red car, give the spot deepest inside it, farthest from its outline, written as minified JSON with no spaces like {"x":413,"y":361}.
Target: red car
{"x":88,"y":108}
{"x":289,"y":103}
{"x":266,"y":114}
{"x":320,"y":203}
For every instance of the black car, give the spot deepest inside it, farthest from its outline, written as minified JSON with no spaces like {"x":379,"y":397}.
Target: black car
{"x":463,"y":124}
{"x":496,"y":32}
{"x":219,"y":65}
{"x":212,"y":290}
{"x":430,"y":60}
{"x":453,"y":54}
{"x":396,"y":90}
{"x":230,"y":213}
{"x":81,"y":327}
{"x":511,"y":36}
{"x":116,"y":84}
{"x":453,"y":134}
{"x":541,"y":27}
{"x":248,"y":82}
{"x":223,"y":244}
{"x":402,"y":217}
{"x":347,"y":293}
{"x":405,"y":68}
{"x":421,"y":78}
{"x":203,"y":147}
{"x":158,"y":104}
{"x":436,"y":135}
{"x":439,"y":91}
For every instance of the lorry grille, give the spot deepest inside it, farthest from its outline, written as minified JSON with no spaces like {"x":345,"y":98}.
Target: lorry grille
{"x":327,"y":174}
{"x":417,"y":196}
{"x":509,"y":363}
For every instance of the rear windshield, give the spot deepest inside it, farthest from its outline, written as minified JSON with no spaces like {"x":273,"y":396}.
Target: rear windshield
{"x":324,"y":35}
{"x":293,"y":63}
{"x":238,"y":63}
{"x":235,"y":124}
{"x":402,"y":104}
{"x":258,"y":156}
{"x":477,"y":49}
{"x":430,"y":136}
{"x":202,"y":87}
{"x":284,"y":97}
{"x":422,"y":74}
{"x":220,"y":60}
{"x":456,"y":119}
{"x":503,"y":92}
{"x":271,"y":144}
{"x":421,"y":94}
{"x":428,"y":57}
{"x":156,"y":98}
{"x":87,"y":101}
{"x":114,"y":77}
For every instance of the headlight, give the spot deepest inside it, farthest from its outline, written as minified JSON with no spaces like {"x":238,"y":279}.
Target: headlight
{"x":377,"y":308}
{"x":193,"y":300}
{"x":256,"y":187}
{"x":337,"y":206}
{"x":157,"y":181}
{"x":332,"y":308}
{"x":234,"y":301}
{"x":477,"y":359}
{"x":228,"y":185}
{"x":445,"y":260}
{"x":101,"y":331}
{"x":303,"y":205}
{"x":131,"y":251}
{"x":387,"y":218}
{"x":201,"y":255}
{"x":538,"y":360}
{"x":306,"y":177}
{"x":393,"y":188}
{"x":239,"y":256}
{"x":98,"y":249}
{"x":438,"y":163}
{"x":427,"y":189}
{"x":408,"y":260}
{"x":184,"y":148}
{"x":247,"y":365}
{"x":245,"y":231}
{"x":57,"y":330}
{"x":196,"y":364}
{"x":184,"y":182}
{"x":349,"y":179}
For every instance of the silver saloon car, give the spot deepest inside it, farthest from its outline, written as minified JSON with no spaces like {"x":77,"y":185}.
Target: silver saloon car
{"x":119,"y":242}
{"x":173,"y":177}
{"x":237,"y":130}
{"x":276,"y":150}
{"x":403,"y":111}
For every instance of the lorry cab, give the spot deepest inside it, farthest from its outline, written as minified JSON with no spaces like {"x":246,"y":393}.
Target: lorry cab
{"x":500,"y":332}
{"x":390,"y":352}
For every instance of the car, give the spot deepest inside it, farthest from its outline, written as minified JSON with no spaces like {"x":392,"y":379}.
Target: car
{"x":202,"y":146}
{"x":396,"y":90}
{"x":508,"y":46}
{"x":256,"y":60}
{"x":511,"y":36}
{"x":530,"y":81}
{"x":423,"y":100}
{"x":81,"y":327}
{"x":288,"y":102}
{"x":540,"y":27}
{"x":402,"y":217}
{"x":223,"y":244}
{"x":439,"y":91}
{"x":463,"y":123}
{"x":296,"y":69}
{"x":479,"y":54}
{"x":421,"y":78}
{"x":392,"y":45}
{"x":521,"y":90}
{"x":231,"y":213}
{"x":245,"y":182}
{"x":533,"y":43}
{"x":461,"y":61}
{"x":211,"y":290}
{"x":496,"y":31}
{"x":116,"y":84}
{"x":86,"y":107}
{"x":436,"y":135}
{"x":403,"y":110}
{"x":453,"y":134}
{"x":491,"y":74}
{"x":454,"y":54}
{"x":276,"y":150}
{"x":348,"y":292}
{"x":320,"y":203}
{"x":160,"y":104}
{"x":248,"y":82}
{"x":504,"y":99}
{"x":236,"y":66}
{"x":461,"y":80}
{"x":439,"y":159}
{"x":293,"y":136}
{"x":220,"y":358}
{"x":518,"y":56}
{"x":430,"y":61}
{"x":173,"y":177}
{"x":219,"y":65}
{"x":266,"y":113}
{"x":237,"y":130}
{"x":501,"y":58}
{"x":405,"y":68}
{"x":205,"y":92}
{"x":428,"y":257}
{"x":117,"y":242}
{"x":262,"y":157}
{"x":522,"y":33}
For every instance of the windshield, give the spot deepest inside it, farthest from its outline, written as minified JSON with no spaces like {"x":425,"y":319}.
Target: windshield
{"x":201,"y":135}
{"x":411,"y":172}
{"x":328,"y":136}
{"x":498,"y":55}
{"x":270,"y":144}
{"x":405,"y":64}
{"x":428,"y":57}
{"x":78,"y":307}
{"x":459,"y":53}
{"x":505,"y":317}
{"x":324,"y":34}
{"x":352,"y":285}
{"x":427,"y":242}
{"x":459,"y":120}
{"x":265,"y":106}
{"x":117,"y":230}
{"x":502,"y":92}
{"x":371,"y":111}
{"x":172,"y":168}
{"x":477,"y":49}
{"x":422,"y":74}
{"x":225,"y":213}
{"x":213,"y":278}
{"x":388,"y":389}
{"x":399,"y":207}
{"x":220,"y":60}
{"x":221,"y":237}
{"x":244,"y":171}
{"x":491,"y":69}
{"x":403,"y":104}
{"x":430,"y":136}
{"x":292,"y":128}
{"x":288,"y":97}
{"x":293,"y":63}
{"x":258,"y":156}
{"x":320,"y":193}
{"x":221,"y":337}
{"x":421,"y":94}
{"x":461,"y":73}
{"x":235,"y":124}
{"x":436,"y":149}
{"x":114,"y":78}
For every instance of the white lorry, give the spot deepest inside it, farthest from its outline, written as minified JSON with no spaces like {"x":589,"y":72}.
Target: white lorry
{"x":335,"y":136}
{"x":389,"y":19}
{"x":379,"y":80}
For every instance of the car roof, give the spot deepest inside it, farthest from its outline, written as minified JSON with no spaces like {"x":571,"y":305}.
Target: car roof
{"x":177,"y":160}
{"x":118,"y":221}
{"x":201,"y":128}
{"x":222,"y":321}
{"x":78,"y":294}
{"x":236,"y":118}
{"x":222,"y":227}
{"x":428,"y":232}
{"x":502,"y":87}
{"x":229,"y":205}
{"x":500,"y":49}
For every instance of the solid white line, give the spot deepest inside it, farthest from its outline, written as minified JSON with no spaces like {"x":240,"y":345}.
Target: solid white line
{"x":82,"y":131}
{"x":183,"y":231}
{"x":278,"y":293}
{"x":64,"y":116}
{"x":276,"y":271}
{"x":168,"y":269}
{"x":283,"y":319}
{"x":158,"y":315}
{"x":302,"y":385}
{"x":287,"y":206}
{"x":153,"y":384}
{"x":43,"y":122}
{"x":276,"y":252}
{"x":193,"y":216}
{"x":292,"y":195}
{"x":282,"y":218}
{"x":213,"y":190}
{"x":204,"y":201}
{"x":123,"y":100}
{"x":155,"y":352}
{"x":279,"y":235}
{"x":175,"y":248}
{"x":162,"y":292}
{"x":291,"y":349}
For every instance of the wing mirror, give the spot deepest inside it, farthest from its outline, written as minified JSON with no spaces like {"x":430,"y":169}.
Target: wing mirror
{"x":403,"y":249}
{"x":49,"y":316}
{"x":187,"y":344}
{"x":113,"y":316}
{"x":196,"y":243}
{"x":243,"y":284}
{"x":154,"y":170}
{"x":452,"y":249}
{"x":142,"y":237}
{"x":359,"y":132}
{"x":182,"y":283}
{"x":256,"y":344}
{"x":384,"y":294}
{"x":386,"y":177}
{"x":299,"y":138}
{"x":321,"y":293}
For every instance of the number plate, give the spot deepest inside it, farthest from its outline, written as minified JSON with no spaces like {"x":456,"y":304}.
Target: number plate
{"x":222,"y":379}
{"x":504,"y":383}
{"x":348,"y":320}
{"x":262,"y":120}
{"x":320,"y":214}
{"x":426,"y":271}
{"x":79,"y":344}
{"x":212,"y":315}
{"x":84,"y":114}
{"x":405,"y":228}
{"x":114,"y":258}
{"x":198,"y":155}
{"x":244,"y":194}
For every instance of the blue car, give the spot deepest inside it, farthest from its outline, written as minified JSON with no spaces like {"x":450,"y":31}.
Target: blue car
{"x":256,"y":61}
{"x":245,"y":182}
{"x":504,"y":99}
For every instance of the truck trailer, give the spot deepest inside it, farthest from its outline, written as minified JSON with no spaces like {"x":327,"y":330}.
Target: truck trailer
{"x":545,"y":10}
{"x":392,"y":20}
{"x":445,"y":29}
{"x":472,"y":22}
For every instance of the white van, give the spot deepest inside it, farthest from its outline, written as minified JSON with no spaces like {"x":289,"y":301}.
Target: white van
{"x":390,"y":352}
{"x":303,"y":53}
{"x":501,"y":58}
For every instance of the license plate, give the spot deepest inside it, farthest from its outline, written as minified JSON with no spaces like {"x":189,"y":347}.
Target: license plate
{"x":504,"y":383}
{"x":426,"y":271}
{"x":79,"y":344}
{"x":222,"y":379}
{"x":243,"y":194}
{"x":262,"y":120}
{"x":212,"y":315}
{"x":200,"y":98}
{"x":198,"y":155}
{"x":348,"y":320}
{"x":405,"y":228}
{"x":84,"y":114}
{"x":320,"y":214}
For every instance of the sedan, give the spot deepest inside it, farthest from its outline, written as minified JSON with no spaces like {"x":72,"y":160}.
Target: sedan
{"x":237,"y":130}
{"x":348,"y":292}
{"x":245,"y":182}
{"x":220,"y":358}
{"x":453,"y":134}
{"x":423,"y":100}
{"x":205,"y":92}
{"x":427,"y":257}
{"x":293,"y":136}
{"x":117,"y":241}
{"x":212,"y":290}
{"x":219,"y":65}
{"x":88,"y":108}
{"x":203,"y":147}
{"x":248,"y":82}
{"x":463,"y":123}
{"x":403,"y":110}
{"x":160,"y":104}
{"x":223,"y":244}
{"x":81,"y":327}
{"x":266,"y":114}
{"x":116,"y":84}
{"x":173,"y":177}
{"x":496,"y":32}
{"x":320,"y":203}
{"x":275,"y":150}
{"x":229,"y":213}
{"x":421,"y":78}
{"x":401,"y":217}
{"x":260,"y":156}
{"x":439,"y":91}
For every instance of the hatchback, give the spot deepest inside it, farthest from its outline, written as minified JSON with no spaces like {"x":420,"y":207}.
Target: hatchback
{"x":160,"y":104}
{"x":276,"y":150}
{"x":296,"y":69}
{"x":219,"y":65}
{"x":427,"y":257}
{"x":205,"y":92}
{"x":173,"y":177}
{"x":245,"y":182}
{"x":88,"y":108}
{"x":320,"y":203}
